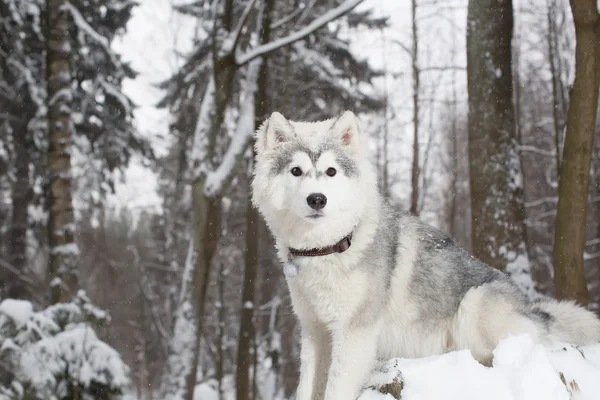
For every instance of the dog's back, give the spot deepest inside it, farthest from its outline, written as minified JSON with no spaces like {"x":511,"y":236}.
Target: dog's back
{"x":454,"y":301}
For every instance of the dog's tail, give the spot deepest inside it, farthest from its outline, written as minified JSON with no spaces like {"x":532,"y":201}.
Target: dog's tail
{"x":568,"y":322}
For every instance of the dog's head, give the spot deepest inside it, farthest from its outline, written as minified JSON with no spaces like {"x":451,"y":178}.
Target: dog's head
{"x":312,"y":181}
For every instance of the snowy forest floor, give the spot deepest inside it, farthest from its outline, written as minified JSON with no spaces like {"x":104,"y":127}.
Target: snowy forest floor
{"x":521,"y":370}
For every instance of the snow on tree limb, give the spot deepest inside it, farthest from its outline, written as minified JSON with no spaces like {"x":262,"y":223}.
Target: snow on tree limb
{"x":217,"y":179}
{"x":117,"y":94}
{"x":240,"y":26}
{"x":202,"y":130}
{"x":536,"y":150}
{"x":302,"y":33}
{"x":82,"y":24}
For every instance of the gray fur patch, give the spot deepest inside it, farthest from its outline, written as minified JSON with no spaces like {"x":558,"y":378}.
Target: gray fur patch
{"x":284,"y":158}
{"x":379,"y":263}
{"x":541,"y":316}
{"x":444,"y":273}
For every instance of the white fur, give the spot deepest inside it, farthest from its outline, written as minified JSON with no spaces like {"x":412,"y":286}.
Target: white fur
{"x":338,"y":352}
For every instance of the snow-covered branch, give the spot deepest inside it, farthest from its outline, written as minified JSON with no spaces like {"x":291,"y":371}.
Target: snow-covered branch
{"x":116,"y":93}
{"x":87,"y":28}
{"x":286,"y":19}
{"x":302,"y":33}
{"x":201,"y":132}
{"x":82,"y":25}
{"x":238,"y":30}
{"x":533,"y":149}
{"x":217,"y":179}
{"x":543,"y":200}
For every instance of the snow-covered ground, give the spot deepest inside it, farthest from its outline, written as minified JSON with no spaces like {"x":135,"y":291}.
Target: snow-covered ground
{"x":521,"y":370}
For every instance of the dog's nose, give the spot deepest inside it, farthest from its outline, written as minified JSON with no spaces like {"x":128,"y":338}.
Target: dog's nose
{"x":316,"y":200}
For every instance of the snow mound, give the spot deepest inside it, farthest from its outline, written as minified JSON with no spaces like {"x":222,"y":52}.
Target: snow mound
{"x":521,"y":370}
{"x":17,"y":310}
{"x":55,"y":353}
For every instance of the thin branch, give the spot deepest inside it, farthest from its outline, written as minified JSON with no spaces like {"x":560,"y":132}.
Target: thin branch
{"x":444,"y":68}
{"x":592,"y":242}
{"x":286,"y":19}
{"x":305,"y":10}
{"x":541,"y":201}
{"x":320,"y":22}
{"x":403,"y":47}
{"x":9,"y":267}
{"x":238,"y":30}
{"x":591,"y":256}
{"x":533,"y":149}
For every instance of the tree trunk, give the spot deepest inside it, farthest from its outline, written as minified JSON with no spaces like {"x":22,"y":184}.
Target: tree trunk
{"x":21,"y":196}
{"x":556,"y":78}
{"x":414,"y":197}
{"x":246,"y":335}
{"x":498,"y":229}
{"x":221,"y":342}
{"x":63,"y":249}
{"x":573,"y":186}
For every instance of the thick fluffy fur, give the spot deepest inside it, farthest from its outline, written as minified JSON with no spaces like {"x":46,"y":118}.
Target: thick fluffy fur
{"x":403,"y":289}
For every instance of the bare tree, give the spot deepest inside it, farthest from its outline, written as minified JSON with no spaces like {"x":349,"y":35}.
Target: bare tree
{"x":498,"y":229}
{"x":61,"y":226}
{"x":574,"y":180}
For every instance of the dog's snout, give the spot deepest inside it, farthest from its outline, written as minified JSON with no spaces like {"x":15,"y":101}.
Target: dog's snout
{"x":316,"y":201}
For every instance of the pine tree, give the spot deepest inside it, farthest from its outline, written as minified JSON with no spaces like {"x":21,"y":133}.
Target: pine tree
{"x":101,"y":114}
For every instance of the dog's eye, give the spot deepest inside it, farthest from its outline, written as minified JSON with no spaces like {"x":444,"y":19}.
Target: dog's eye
{"x":296,"y":171}
{"x":331,"y":171}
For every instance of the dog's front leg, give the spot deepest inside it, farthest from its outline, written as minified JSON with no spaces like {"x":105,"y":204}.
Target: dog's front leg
{"x":314,"y":361}
{"x":354,"y":352}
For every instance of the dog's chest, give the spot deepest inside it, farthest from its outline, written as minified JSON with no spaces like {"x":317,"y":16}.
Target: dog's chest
{"x":329,"y":291}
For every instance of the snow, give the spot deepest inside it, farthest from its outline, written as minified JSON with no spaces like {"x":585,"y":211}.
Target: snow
{"x":18,"y":310}
{"x":183,"y":343}
{"x":78,"y":346}
{"x":519,"y":270}
{"x":521,"y":370}
{"x":206,"y":391}
{"x":69,"y":248}
{"x":201,"y":132}
{"x":85,"y":27}
{"x":117,"y":94}
{"x":217,"y":180}
{"x":323,"y":20}
{"x":45,"y":354}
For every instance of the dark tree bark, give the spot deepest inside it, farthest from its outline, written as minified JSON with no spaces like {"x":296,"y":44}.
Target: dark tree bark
{"x":574,"y":180}
{"x":63,"y":250}
{"x":414,"y":197}
{"x":21,"y":197}
{"x":253,"y":221}
{"x":498,"y":229}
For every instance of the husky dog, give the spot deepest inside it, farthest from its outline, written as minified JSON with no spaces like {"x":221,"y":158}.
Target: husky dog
{"x":373,"y":283}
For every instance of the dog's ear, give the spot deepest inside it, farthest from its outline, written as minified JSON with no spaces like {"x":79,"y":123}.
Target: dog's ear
{"x":273,"y":131}
{"x":345,"y":128}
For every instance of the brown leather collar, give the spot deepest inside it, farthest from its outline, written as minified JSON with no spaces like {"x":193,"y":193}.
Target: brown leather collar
{"x":339,"y":247}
